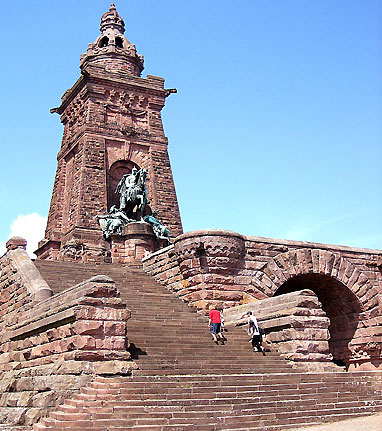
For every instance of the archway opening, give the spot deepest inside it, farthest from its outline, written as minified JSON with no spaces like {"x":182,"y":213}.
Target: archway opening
{"x":104,"y":42}
{"x":340,"y":305}
{"x":119,"y":42}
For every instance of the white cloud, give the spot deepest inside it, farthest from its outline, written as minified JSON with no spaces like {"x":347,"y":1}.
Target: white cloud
{"x":2,"y":248}
{"x":29,"y":226}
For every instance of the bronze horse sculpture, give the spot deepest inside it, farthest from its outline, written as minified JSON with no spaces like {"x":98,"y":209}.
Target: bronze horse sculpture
{"x":133,"y":194}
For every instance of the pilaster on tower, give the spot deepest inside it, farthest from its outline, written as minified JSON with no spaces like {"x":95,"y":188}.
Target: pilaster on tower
{"x":112,"y":122}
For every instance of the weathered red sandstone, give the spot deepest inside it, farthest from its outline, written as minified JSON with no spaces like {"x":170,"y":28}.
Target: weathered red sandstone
{"x":65,"y":352}
{"x":112,"y":122}
{"x":51,"y":346}
{"x":225,"y":269}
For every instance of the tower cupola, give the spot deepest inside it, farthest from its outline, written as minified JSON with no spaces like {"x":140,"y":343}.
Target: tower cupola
{"x":111,"y":49}
{"x":111,"y":19}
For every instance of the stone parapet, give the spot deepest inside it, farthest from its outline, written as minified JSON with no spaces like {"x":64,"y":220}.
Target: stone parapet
{"x":34,"y":283}
{"x":51,"y":348}
{"x":295,"y":326}
{"x":90,"y":317}
{"x":210,"y":261}
{"x":163,"y":266}
{"x":222,"y":268}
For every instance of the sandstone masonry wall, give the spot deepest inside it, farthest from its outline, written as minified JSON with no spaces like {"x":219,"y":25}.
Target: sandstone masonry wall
{"x":109,"y":118}
{"x":49,"y":349}
{"x":164,"y":267}
{"x":225,"y":268}
{"x":295,"y":325}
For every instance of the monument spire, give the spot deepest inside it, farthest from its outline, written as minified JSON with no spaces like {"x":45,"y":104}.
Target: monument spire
{"x":111,"y":19}
{"x":111,"y":49}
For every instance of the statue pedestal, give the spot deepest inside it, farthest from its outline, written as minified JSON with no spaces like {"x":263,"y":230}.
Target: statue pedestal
{"x":137,"y":240}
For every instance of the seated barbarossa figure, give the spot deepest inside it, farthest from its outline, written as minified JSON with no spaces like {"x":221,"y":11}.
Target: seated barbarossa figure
{"x":159,"y":229}
{"x":113,"y":222}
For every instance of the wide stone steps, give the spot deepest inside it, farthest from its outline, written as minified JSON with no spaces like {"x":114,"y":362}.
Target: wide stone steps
{"x":198,"y":421}
{"x":210,"y":403}
{"x":164,"y":333}
{"x":186,"y":382}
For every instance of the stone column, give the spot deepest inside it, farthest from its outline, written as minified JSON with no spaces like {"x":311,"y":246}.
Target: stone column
{"x":137,"y":241}
{"x":209,"y":261}
{"x":16,"y":242}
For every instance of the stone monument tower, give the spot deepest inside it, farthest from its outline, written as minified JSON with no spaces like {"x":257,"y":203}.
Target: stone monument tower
{"x":112,"y":124}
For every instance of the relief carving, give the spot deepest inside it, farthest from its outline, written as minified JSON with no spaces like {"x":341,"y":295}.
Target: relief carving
{"x":369,"y":350}
{"x":128,"y":112}
{"x":72,"y":250}
{"x":139,"y":154}
{"x":75,"y":116}
{"x":75,"y":250}
{"x":135,"y":131}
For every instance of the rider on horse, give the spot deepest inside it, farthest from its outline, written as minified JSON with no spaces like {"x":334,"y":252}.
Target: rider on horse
{"x":132,"y":189}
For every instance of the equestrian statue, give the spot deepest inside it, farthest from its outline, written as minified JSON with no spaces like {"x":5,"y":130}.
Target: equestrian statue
{"x":132,"y":203}
{"x":133,"y":194}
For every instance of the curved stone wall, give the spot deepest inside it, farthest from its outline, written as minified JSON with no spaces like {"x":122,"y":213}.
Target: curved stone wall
{"x":226,"y":269}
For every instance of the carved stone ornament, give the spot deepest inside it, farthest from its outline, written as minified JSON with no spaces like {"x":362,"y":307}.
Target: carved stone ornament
{"x":371,"y":349}
{"x":135,"y":131}
{"x":72,"y":250}
{"x":372,"y":346}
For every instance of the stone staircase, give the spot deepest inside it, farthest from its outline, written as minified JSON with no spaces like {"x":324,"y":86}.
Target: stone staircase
{"x":165,"y":335}
{"x":186,"y":382}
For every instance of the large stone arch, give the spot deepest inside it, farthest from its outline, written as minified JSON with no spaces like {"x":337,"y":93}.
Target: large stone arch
{"x":285,"y":266}
{"x":346,"y":294}
{"x":340,"y":305}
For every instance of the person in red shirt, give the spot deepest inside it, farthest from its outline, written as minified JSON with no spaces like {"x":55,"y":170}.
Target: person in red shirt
{"x":214,"y":322}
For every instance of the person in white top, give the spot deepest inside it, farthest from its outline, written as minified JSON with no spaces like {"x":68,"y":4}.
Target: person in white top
{"x":254,"y":332}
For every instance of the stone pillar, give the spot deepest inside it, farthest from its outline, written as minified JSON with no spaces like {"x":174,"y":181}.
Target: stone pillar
{"x":137,"y":241}
{"x":210,"y":261}
{"x":16,"y":242}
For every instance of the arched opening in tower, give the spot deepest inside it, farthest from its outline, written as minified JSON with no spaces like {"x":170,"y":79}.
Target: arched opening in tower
{"x":340,"y":305}
{"x":119,"y":42}
{"x":104,"y":42}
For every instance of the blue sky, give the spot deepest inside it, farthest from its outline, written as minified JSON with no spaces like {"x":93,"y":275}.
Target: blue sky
{"x":275,"y":130}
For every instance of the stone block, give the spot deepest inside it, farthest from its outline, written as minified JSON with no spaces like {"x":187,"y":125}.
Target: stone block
{"x":82,"y":342}
{"x":94,"y":313}
{"x":114,"y":328}
{"x":200,"y":304}
{"x":111,"y":343}
{"x":32,"y":415}
{"x":5,"y":358}
{"x":114,"y":367}
{"x":88,"y":327}
{"x":312,"y":357}
{"x":15,"y":415}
